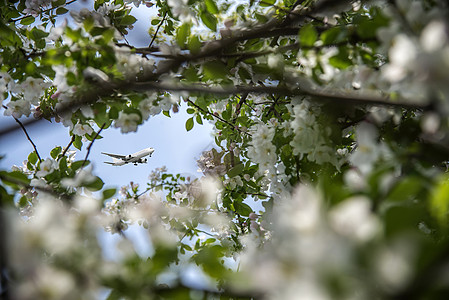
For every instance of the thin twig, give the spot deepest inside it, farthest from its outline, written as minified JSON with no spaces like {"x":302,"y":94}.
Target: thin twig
{"x":216,"y":116}
{"x":157,"y":30}
{"x":68,"y":146}
{"x":26,"y":133}
{"x":91,"y":143}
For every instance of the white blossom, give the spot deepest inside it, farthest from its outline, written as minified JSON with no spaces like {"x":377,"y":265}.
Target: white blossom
{"x":82,"y":129}
{"x":354,"y":219}
{"x":82,"y":176}
{"x":18,"y":108}
{"x":46,"y":167}
{"x":127,"y":122}
{"x":368,"y":150}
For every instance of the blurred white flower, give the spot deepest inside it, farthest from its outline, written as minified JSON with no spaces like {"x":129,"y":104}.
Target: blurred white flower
{"x":402,"y":55}
{"x":368,"y":150}
{"x":86,"y":205}
{"x":127,"y":122}
{"x":354,"y":219}
{"x":180,"y":9}
{"x":434,"y":36}
{"x":82,"y":176}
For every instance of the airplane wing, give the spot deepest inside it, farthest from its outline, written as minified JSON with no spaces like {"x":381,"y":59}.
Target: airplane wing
{"x":115,"y":155}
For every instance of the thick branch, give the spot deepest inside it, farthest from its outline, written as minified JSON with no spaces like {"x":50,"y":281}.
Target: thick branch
{"x":335,"y":96}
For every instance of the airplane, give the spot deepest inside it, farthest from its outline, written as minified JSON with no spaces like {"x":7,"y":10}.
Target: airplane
{"x":135,"y":158}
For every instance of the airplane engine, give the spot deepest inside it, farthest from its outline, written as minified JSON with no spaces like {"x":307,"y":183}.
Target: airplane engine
{"x":129,"y":156}
{"x":145,"y":160}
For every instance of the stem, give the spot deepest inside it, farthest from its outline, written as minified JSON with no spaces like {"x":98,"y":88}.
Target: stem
{"x":157,"y":30}
{"x":68,"y":146}
{"x":91,"y":143}
{"x":27,"y":135}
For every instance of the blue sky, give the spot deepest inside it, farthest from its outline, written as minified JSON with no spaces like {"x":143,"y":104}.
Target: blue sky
{"x":174,"y":146}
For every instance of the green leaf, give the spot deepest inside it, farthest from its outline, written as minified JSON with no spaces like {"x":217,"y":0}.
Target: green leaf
{"x":266,"y":3}
{"x":96,"y":185}
{"x":194,"y":44}
{"x":113,"y":113}
{"x":61,"y":10}
{"x":77,"y":164}
{"x":128,"y":20}
{"x":108,"y":193}
{"x":77,"y":143}
{"x":27,"y":21}
{"x":211,"y":6}
{"x":242,"y":208}
{"x":236,"y":170}
{"x":189,"y":124}
{"x":341,"y":60}
{"x":182,"y":33}
{"x":334,"y":35}
{"x":55,"y":152}
{"x":439,"y":201}
{"x":32,"y":158}
{"x":209,"y":20}
{"x":406,"y":189}
{"x":199,"y":120}
{"x":155,"y":21}
{"x":215,"y":70}
{"x":57,"y":3}
{"x":308,"y":35}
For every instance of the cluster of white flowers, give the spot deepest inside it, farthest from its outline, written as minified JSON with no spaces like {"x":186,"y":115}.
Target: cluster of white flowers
{"x":210,"y":163}
{"x":27,"y":92}
{"x":261,"y":149}
{"x":310,"y":59}
{"x":418,"y":57}
{"x":308,"y":246}
{"x":309,"y":136}
{"x":180,"y":9}
{"x":55,"y":231}
{"x":131,"y":64}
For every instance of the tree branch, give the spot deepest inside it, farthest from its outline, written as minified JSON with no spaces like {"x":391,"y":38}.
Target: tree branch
{"x":318,"y":94}
{"x":157,"y":30}
{"x":68,"y":146}
{"x":26,"y":133}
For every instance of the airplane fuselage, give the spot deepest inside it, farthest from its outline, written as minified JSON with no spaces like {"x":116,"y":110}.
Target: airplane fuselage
{"x":135,"y":158}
